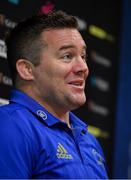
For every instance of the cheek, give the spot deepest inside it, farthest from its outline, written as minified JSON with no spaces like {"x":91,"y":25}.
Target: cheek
{"x":54,"y":72}
{"x":60,"y":73}
{"x":68,"y":74}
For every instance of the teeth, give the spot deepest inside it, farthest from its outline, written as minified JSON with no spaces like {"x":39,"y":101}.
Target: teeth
{"x":77,"y":84}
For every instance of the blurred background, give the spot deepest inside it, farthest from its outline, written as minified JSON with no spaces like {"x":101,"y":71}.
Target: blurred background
{"x":106,"y":27}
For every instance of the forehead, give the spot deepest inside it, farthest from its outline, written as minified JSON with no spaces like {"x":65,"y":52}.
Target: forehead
{"x":63,"y":37}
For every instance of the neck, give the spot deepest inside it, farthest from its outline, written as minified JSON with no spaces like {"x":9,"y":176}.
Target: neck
{"x":59,"y":112}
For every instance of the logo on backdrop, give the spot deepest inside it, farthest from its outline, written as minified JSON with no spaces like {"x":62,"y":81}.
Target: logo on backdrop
{"x":99,"y":83}
{"x":5,"y":80}
{"x":15,"y":2}
{"x":97,"y":108}
{"x":82,"y":24}
{"x":100,"y":33}
{"x":2,"y":49}
{"x":47,"y":7}
{"x":4,"y":21}
{"x":98,"y":58}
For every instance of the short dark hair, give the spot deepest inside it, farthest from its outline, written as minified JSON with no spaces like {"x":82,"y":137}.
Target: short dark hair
{"x":24,"y":41}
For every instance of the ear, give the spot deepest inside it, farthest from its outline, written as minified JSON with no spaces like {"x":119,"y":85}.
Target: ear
{"x":25,"y":69}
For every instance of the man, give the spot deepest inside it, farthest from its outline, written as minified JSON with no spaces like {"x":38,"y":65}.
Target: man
{"x":40,"y":137}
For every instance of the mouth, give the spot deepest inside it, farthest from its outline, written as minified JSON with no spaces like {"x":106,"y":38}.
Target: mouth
{"x":79,"y":84}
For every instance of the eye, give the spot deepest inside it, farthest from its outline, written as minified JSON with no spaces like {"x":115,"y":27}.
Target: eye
{"x":84,"y":57}
{"x":67,"y":57}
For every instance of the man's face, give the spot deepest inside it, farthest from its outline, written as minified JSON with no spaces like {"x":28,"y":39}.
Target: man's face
{"x":60,"y":76}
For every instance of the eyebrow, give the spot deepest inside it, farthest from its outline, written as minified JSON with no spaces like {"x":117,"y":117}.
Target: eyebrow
{"x":70,"y":46}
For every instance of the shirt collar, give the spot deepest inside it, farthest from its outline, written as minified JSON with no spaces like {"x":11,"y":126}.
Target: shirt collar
{"x":23,"y":99}
{"x":33,"y":106}
{"x":76,"y":123}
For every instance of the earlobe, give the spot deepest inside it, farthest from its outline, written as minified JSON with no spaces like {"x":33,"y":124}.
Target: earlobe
{"x":24,"y":69}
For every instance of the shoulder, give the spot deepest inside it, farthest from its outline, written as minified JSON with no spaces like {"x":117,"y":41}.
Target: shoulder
{"x":16,"y":146}
{"x":6,"y":115}
{"x":8,"y":109}
{"x":10,"y":121}
{"x":14,"y":113}
{"x":11,"y":116}
{"x":18,"y":124}
{"x":15,"y":123}
{"x":17,"y":129}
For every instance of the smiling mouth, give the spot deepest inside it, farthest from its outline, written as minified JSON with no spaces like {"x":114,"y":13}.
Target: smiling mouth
{"x":76,"y":84}
{"x":79,"y":84}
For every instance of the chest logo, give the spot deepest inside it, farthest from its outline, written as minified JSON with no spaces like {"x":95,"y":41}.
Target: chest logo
{"x":98,"y":157}
{"x":62,"y":152}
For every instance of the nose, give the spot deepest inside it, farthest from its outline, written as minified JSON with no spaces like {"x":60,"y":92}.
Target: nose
{"x":81,"y":67}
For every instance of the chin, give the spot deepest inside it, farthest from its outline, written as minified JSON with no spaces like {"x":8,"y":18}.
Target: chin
{"x":78,"y":104}
{"x":76,"y":101}
{"x":81,"y":103}
{"x":81,"y":100}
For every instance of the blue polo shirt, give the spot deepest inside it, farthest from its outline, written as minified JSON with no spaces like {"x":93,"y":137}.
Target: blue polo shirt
{"x":35,"y":144}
